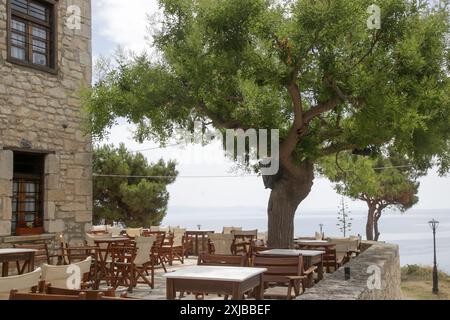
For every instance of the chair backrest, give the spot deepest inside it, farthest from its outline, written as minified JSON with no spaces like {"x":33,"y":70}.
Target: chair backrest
{"x":144,"y":247}
{"x":329,"y":258}
{"x":15,"y":295}
{"x":222,"y":243}
{"x":244,"y":235}
{"x":22,"y":283}
{"x":90,"y":238}
{"x":90,"y":294}
{"x":58,"y":275}
{"x":279,"y":267}
{"x":222,"y":260}
{"x":164,"y":229}
{"x":41,"y":255}
{"x":133,"y":232}
{"x":253,"y":233}
{"x":229,"y":230}
{"x":172,"y":228}
{"x":355,"y":243}
{"x":178,"y":235}
{"x":114,"y":231}
{"x":123,"y":253}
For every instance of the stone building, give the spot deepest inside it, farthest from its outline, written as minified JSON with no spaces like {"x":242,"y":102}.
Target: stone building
{"x":45,"y":155}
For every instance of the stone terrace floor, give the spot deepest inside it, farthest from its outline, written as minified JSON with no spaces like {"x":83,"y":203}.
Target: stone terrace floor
{"x":143,"y":291}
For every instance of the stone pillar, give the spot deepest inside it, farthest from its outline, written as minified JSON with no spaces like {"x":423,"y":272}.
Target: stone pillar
{"x":53,"y":194}
{"x":6,"y":192}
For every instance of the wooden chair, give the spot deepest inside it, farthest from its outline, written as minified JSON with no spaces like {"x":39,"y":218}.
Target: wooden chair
{"x":222,"y":244}
{"x":331,"y":262}
{"x":143,"y":263}
{"x":42,"y":255}
{"x":179,"y":244}
{"x":122,"y":266}
{"x":222,"y":260}
{"x":72,"y":254}
{"x":284,"y":270}
{"x":243,"y":240}
{"x":28,"y":282}
{"x":157,"y":254}
{"x":59,"y":275}
{"x":123,"y":297}
{"x":15,"y":295}
{"x":134,"y":232}
{"x":229,"y":230}
{"x":47,"y":288}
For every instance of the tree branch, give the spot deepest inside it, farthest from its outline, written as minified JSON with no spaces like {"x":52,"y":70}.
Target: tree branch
{"x":321,"y":108}
{"x":296,"y":97}
{"x":230,"y":124}
{"x":334,"y":148}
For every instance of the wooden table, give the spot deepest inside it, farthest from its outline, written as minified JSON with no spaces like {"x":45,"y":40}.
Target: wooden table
{"x":196,"y":234}
{"x":17,"y":255}
{"x":310,"y":258}
{"x":232,"y":281}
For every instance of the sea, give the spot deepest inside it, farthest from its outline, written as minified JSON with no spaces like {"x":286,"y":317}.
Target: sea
{"x":409,"y":230}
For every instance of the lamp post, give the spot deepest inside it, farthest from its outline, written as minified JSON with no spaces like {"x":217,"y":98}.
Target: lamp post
{"x":434,"y":225}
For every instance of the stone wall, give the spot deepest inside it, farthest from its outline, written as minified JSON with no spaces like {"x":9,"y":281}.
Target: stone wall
{"x":375,"y":275}
{"x":44,"y":111}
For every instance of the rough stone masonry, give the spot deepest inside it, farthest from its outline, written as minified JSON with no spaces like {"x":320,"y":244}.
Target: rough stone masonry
{"x":40,"y":112}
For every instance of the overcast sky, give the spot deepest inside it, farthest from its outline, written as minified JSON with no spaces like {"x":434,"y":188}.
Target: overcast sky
{"x":117,"y":23}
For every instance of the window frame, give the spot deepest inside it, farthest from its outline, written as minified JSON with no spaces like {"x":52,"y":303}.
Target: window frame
{"x":21,"y":178}
{"x":22,"y":198}
{"x":52,"y":25}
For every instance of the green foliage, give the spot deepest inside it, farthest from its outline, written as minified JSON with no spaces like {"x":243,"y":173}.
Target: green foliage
{"x":387,"y":181}
{"x":134,"y":201}
{"x":231,"y":61}
{"x":417,"y":272}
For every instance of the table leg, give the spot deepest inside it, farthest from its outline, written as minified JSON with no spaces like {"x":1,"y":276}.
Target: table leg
{"x":237,"y":294}
{"x":5,"y":268}
{"x":259,"y":291}
{"x":170,"y":289}
{"x":196,"y":245}
{"x":203,"y":243}
{"x":31,"y":263}
{"x":320,"y":266}
{"x":308,"y":264}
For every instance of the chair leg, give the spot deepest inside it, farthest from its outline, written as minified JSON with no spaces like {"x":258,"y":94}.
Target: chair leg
{"x":162,"y":264}
{"x":289,"y":293}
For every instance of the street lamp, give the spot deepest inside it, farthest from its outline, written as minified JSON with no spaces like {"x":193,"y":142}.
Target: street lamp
{"x":434,"y":225}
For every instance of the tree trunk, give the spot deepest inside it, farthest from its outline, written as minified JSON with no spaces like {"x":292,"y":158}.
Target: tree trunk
{"x":375,"y":224}
{"x":287,"y":193}
{"x":370,"y":222}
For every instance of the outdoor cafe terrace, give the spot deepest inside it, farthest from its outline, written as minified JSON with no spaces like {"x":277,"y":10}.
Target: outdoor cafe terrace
{"x":175,"y":263}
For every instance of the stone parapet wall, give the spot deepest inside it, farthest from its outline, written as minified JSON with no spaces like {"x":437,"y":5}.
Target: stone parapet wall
{"x":375,"y":275}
